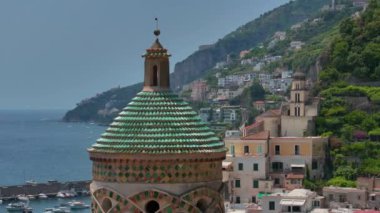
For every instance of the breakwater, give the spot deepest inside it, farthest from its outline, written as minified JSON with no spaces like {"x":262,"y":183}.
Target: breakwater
{"x":51,"y":188}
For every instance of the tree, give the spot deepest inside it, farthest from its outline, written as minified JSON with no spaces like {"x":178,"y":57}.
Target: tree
{"x":347,"y":172}
{"x":355,"y":117}
{"x":257,"y":91}
{"x":371,"y":55}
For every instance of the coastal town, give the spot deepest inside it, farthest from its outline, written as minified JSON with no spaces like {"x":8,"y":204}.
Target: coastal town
{"x":289,"y":124}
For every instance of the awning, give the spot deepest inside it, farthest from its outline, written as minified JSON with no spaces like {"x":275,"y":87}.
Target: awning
{"x":226,"y":164}
{"x":292,"y":202}
{"x":260,"y":195}
{"x":298,"y":165}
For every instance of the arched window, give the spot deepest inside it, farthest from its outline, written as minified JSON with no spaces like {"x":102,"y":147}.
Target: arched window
{"x":202,"y":205}
{"x":155,"y":76}
{"x":152,"y":206}
{"x":106,"y":204}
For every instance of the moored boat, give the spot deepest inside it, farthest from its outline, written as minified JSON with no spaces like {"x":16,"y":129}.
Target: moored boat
{"x":78,"y":205}
{"x":57,"y":210}
{"x":19,"y":207}
{"x":22,"y":197}
{"x":42,"y":196}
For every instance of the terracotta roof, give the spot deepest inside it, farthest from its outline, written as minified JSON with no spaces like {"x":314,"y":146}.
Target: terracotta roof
{"x":271,"y":113}
{"x":256,"y":124}
{"x":258,"y":136}
{"x":294,"y":176}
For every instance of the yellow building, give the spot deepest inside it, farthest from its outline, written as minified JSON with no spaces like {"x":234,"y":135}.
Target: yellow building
{"x":291,"y":158}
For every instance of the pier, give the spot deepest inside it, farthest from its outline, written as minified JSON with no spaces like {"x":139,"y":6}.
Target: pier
{"x":51,"y":188}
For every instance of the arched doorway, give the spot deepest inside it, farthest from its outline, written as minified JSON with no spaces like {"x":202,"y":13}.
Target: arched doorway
{"x":152,"y":206}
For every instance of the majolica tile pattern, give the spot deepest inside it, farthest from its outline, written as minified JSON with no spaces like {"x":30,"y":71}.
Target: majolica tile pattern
{"x":171,"y":203}
{"x":158,"y":123}
{"x":168,"y":171}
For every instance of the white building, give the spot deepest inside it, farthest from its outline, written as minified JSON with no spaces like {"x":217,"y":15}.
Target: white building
{"x":297,"y":200}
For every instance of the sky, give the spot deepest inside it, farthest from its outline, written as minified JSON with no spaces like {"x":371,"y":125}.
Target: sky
{"x":53,"y":54}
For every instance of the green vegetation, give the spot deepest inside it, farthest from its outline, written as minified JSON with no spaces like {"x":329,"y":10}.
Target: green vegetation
{"x":357,"y":50}
{"x":349,"y":111}
{"x":249,"y":95}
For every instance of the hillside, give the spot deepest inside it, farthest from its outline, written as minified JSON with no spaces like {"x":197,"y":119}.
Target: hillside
{"x":351,"y":97}
{"x":103,"y":107}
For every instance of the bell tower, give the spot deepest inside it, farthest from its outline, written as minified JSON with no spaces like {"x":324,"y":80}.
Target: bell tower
{"x":157,"y":156}
{"x":156,"y":74}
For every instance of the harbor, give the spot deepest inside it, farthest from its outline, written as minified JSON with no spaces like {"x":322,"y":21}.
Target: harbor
{"x":51,"y":189}
{"x":52,"y":196}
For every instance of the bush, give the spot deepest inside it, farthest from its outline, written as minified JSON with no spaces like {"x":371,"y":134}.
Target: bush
{"x":341,"y":182}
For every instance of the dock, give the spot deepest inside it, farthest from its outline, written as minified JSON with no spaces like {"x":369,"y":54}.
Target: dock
{"x":51,"y":188}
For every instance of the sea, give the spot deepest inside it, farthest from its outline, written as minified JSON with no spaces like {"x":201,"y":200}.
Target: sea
{"x":37,"y":145}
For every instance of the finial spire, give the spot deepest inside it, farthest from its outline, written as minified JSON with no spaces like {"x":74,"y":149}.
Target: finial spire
{"x":157,"y":31}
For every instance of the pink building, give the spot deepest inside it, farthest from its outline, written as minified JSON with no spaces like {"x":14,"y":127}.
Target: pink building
{"x":199,"y":90}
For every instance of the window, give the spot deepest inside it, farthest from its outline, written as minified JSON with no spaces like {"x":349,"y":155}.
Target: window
{"x":259,"y":149}
{"x":255,"y":167}
{"x":237,"y":199}
{"x":331,"y":197}
{"x":152,"y":206}
{"x":277,"y":181}
{"x":155,"y":76}
{"x":314,"y":165}
{"x":316,"y":203}
{"x":232,"y":150}
{"x":237,"y":183}
{"x":277,"y":166}
{"x":240,"y":166}
{"x":271,"y":205}
{"x":246,"y":149}
{"x":277,"y":150}
{"x":342,"y":198}
{"x":296,"y":209}
{"x":255,"y":184}
{"x":298,"y":99}
{"x":253,"y":199}
{"x":296,"y":149}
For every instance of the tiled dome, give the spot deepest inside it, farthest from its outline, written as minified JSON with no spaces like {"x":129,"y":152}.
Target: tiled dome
{"x":158,"y":122}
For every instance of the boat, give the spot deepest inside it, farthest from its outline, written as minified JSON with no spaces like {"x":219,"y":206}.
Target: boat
{"x":22,"y":197}
{"x":31,"y":182}
{"x":42,"y":196}
{"x":19,"y":207}
{"x":66,"y":194}
{"x":78,"y":205}
{"x":31,"y":197}
{"x":57,"y":210}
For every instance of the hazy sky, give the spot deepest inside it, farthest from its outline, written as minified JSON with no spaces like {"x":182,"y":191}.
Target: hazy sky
{"x":55,"y":53}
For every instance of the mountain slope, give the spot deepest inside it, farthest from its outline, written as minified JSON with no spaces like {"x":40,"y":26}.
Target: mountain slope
{"x":245,"y":37}
{"x":103,"y":107}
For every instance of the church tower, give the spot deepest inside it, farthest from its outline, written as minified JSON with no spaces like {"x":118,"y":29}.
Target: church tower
{"x":298,"y":95}
{"x":157,"y":155}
